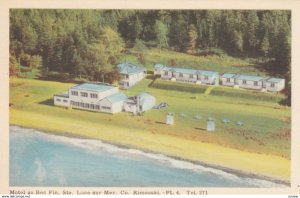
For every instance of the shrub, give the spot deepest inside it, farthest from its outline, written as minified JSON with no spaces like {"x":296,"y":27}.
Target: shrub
{"x":210,"y":52}
{"x":159,"y":84}
{"x":58,"y":76}
{"x":26,"y":69}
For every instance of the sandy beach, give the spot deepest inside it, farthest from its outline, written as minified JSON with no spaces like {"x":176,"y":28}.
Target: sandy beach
{"x":268,"y":167}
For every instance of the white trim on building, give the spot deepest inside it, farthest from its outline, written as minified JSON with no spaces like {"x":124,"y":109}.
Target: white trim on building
{"x":187,"y":75}
{"x":253,"y":82}
{"x":131,"y":74}
{"x":102,"y":98}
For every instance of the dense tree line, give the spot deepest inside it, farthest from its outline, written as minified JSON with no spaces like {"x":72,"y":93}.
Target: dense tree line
{"x":90,"y":42}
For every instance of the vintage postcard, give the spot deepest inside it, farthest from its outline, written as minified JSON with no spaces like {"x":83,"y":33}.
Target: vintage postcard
{"x":126,"y":97}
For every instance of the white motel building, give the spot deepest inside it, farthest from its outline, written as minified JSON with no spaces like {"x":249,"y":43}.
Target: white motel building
{"x":98,"y":97}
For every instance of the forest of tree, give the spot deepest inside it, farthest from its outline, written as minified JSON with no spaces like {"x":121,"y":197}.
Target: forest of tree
{"x":90,"y":42}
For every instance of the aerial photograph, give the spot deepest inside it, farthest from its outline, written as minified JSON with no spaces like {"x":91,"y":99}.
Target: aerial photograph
{"x":149,"y":98}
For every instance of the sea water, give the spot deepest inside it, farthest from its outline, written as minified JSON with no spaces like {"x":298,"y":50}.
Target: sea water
{"x":41,"y":159}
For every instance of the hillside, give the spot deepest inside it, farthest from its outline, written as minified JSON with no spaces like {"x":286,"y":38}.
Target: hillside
{"x":221,"y":63}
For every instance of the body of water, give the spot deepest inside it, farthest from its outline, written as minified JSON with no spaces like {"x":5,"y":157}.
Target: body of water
{"x":41,"y":159}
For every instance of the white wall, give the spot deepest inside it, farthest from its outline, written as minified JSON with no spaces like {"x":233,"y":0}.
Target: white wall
{"x":277,"y":86}
{"x":128,"y":107}
{"x":117,"y":107}
{"x":150,"y":103}
{"x":157,"y":71}
{"x":225,"y":83}
{"x":186,"y":77}
{"x":164,"y":76}
{"x":114,"y":107}
{"x":131,"y":80}
{"x":101,"y":95}
{"x":61,"y":101}
{"x":105,"y":103}
{"x":210,"y":80}
{"x":249,"y":84}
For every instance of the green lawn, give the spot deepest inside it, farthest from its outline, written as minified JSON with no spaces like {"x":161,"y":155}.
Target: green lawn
{"x":261,"y":146}
{"x":266,"y":126}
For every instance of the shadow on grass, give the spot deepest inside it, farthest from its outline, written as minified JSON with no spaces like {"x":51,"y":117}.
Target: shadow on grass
{"x":158,"y":122}
{"x":201,"y":129}
{"x":48,"y":102}
{"x":153,"y":78}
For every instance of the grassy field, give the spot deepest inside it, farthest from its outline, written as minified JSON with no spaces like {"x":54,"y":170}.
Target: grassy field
{"x":221,"y":64}
{"x":261,"y":145}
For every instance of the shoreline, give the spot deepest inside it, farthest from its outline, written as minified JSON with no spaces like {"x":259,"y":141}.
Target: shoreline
{"x":236,"y":172}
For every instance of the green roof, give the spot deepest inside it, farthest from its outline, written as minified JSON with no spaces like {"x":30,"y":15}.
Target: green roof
{"x":192,"y":71}
{"x":249,"y":78}
{"x":274,"y":80}
{"x":117,"y":97}
{"x":129,"y":68}
{"x":94,"y":86}
{"x":228,"y":75}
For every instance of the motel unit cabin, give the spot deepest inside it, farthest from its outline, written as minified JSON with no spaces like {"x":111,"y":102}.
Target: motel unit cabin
{"x":131,"y":74}
{"x":253,"y":82}
{"x":275,"y":84}
{"x":187,"y":75}
{"x":93,"y":97}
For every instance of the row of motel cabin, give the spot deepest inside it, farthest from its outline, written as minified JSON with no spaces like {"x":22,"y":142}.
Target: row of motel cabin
{"x":103,"y":98}
{"x":131,"y":74}
{"x":187,"y":75}
{"x":253,"y":82}
{"x":271,"y":84}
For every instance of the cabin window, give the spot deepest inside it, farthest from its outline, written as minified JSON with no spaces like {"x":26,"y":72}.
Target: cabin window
{"x":86,"y":105}
{"x":92,"y":106}
{"x":81,"y":104}
{"x":272,"y":84}
{"x":255,"y":83}
{"x":166,"y":73}
{"x":75,"y":103}
{"x":65,"y":101}
{"x":58,"y":100}
{"x":74,"y":93}
{"x":191,"y":76}
{"x":93,"y":95}
{"x":105,"y":107}
{"x":180,"y":74}
{"x":84,"y":94}
{"x":244,"y":82}
{"x":97,"y":107}
{"x":205,"y":77}
{"x":227,"y":79}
